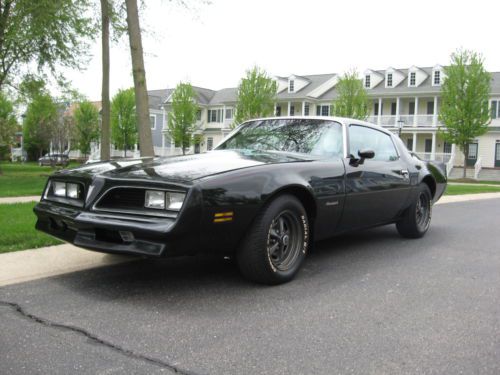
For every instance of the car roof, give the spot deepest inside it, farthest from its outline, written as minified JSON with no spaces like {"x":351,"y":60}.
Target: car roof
{"x":343,"y":120}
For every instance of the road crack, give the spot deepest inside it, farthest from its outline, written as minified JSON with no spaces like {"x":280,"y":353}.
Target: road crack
{"x":126,"y":352}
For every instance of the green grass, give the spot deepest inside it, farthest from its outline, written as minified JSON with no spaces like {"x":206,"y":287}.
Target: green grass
{"x":19,"y":179}
{"x":18,"y":228}
{"x":472,"y":181}
{"x":470,"y":189}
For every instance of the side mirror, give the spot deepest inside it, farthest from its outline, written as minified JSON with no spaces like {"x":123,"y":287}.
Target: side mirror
{"x":366,"y":154}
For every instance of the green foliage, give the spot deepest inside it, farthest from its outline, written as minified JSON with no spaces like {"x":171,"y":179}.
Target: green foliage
{"x":464,"y":95}
{"x":256,"y":96}
{"x":182,"y":117}
{"x":352,"y":100}
{"x":39,"y":123}
{"x":8,"y":121}
{"x":46,"y":34}
{"x":86,"y":125}
{"x":123,"y":119}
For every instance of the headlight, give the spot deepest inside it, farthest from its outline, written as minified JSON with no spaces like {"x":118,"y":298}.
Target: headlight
{"x":59,"y":189}
{"x":162,"y":200}
{"x":73,"y":191}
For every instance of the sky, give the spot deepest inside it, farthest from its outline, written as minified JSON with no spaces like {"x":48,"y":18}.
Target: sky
{"x":212,"y":45}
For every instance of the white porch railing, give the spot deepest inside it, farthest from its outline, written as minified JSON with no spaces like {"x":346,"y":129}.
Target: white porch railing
{"x":443,"y":157}
{"x":408,"y":120}
{"x":451,"y":162}
{"x":477,"y":167}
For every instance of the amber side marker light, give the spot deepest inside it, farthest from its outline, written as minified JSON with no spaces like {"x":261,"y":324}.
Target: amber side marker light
{"x":221,"y":217}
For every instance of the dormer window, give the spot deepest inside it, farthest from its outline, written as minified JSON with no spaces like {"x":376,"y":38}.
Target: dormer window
{"x":367,"y":81}
{"x":437,"y":78}
{"x":413,"y":78}
{"x":291,"y":85}
{"x":389,"y":79}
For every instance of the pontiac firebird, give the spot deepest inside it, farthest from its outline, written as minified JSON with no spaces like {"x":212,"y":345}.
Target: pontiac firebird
{"x":271,"y":188}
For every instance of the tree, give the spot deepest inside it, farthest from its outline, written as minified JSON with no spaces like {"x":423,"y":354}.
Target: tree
{"x":105,"y":109}
{"x":42,"y":34}
{"x":123,"y":119}
{"x":464,"y":100}
{"x":139,"y":73}
{"x":41,"y":115}
{"x":351,"y":99}
{"x":182,"y":117}
{"x":86,"y":126}
{"x":256,"y":95}
{"x":8,"y":124}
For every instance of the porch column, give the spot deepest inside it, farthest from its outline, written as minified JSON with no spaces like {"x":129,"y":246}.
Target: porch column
{"x":398,"y":104}
{"x":303,"y":108}
{"x":433,"y":149}
{"x":414,"y":144}
{"x":275,"y":105}
{"x":415,"y":115}
{"x":434,"y":116}
{"x":289,"y":106}
{"x":379,"y":119}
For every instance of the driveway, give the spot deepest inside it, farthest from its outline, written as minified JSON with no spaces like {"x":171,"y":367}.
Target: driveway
{"x":370,"y":303}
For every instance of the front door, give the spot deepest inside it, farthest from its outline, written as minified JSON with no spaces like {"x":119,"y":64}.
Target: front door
{"x":497,"y":155}
{"x":472,"y":157}
{"x":377,"y":189}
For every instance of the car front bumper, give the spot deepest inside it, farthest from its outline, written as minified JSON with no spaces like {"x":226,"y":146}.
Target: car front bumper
{"x":113,"y":233}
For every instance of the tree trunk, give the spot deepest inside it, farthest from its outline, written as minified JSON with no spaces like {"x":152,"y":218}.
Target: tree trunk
{"x":466,"y":156}
{"x":141,"y":92}
{"x":105,"y":112}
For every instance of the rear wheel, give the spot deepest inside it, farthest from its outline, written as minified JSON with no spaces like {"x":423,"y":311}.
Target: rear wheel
{"x":417,"y":218}
{"x":276,"y":245}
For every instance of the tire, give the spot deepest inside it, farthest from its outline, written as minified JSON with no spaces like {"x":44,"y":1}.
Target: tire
{"x":417,"y":218}
{"x":276,"y":245}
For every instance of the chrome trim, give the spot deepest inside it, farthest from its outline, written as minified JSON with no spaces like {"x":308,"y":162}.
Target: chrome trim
{"x":172,"y":214}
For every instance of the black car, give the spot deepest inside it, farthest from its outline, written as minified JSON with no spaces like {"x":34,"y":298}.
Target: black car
{"x":270,"y":189}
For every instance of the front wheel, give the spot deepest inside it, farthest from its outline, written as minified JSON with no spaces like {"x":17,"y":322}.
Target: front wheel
{"x":417,"y":218}
{"x":276,"y":245}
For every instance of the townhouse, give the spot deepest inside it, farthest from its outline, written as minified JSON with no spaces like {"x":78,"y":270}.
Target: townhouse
{"x":402,"y":100}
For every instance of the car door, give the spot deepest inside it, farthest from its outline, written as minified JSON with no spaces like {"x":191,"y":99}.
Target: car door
{"x":377,"y":188}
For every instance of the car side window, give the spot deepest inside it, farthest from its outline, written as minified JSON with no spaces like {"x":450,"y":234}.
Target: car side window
{"x":362,"y":137}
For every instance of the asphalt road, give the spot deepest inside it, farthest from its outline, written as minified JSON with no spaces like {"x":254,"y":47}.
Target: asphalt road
{"x":367,"y":303}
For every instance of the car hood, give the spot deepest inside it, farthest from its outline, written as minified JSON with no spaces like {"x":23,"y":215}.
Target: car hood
{"x":186,"y":168}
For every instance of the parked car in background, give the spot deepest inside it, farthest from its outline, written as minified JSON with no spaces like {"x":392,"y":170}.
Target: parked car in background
{"x":270,"y":189}
{"x":54,"y":159}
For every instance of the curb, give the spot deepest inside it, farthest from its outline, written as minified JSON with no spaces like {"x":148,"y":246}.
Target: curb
{"x":10,"y":200}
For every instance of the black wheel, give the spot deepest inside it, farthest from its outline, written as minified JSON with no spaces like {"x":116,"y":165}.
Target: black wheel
{"x":276,"y":245}
{"x":417,"y":218}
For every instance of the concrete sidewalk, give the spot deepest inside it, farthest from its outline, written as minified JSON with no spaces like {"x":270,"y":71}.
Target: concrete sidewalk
{"x":21,"y":266}
{"x":7,"y":200}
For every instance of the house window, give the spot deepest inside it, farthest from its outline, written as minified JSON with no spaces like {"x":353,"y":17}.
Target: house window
{"x":322,"y":110}
{"x":389,"y":79}
{"x":428,"y":145}
{"x":367,"y":81}
{"x":437,"y":78}
{"x":375,"y":109}
{"x":292,"y":110}
{"x":409,"y":144}
{"x":413,"y":78}
{"x":210,"y":143}
{"x":447,"y":148}
{"x":291,"y":85}
{"x":198,"y":115}
{"x":393,"y":109}
{"x":495,"y":109}
{"x":430,"y":108}
{"x":411,"y":108}
{"x":306,"y":109}
{"x":215,"y":115}
{"x":278,"y":111}
{"x":229,"y":113}
{"x":152,"y":122}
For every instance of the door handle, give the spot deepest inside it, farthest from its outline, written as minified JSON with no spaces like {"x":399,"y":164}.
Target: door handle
{"x":405,"y":173}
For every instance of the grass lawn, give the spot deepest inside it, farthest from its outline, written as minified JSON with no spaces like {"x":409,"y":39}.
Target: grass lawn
{"x":18,"y":228}
{"x":24,"y":179}
{"x":470,"y":189}
{"x":472,"y":181}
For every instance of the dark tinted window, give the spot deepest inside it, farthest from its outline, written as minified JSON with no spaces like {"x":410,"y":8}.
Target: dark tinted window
{"x":314,"y":137}
{"x":362,"y":138}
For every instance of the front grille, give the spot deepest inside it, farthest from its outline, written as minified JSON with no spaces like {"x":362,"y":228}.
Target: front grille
{"x":123,"y":198}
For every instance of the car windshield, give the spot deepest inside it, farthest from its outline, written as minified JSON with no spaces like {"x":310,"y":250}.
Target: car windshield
{"x":306,"y":136}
